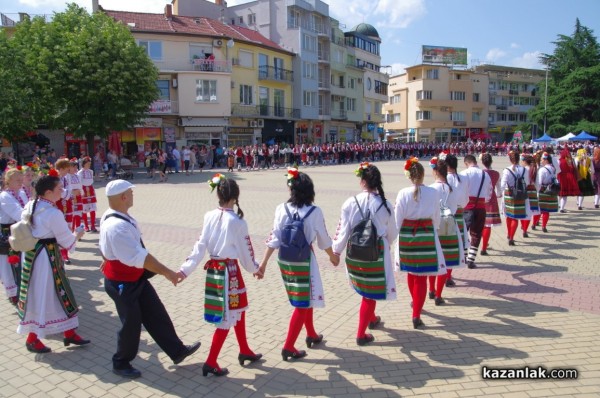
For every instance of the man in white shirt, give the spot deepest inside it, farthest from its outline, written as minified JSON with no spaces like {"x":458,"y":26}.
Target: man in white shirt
{"x":127,"y":268}
{"x":177,"y":156}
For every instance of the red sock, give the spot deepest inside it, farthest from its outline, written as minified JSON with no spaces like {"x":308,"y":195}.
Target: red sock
{"x":419,"y":296}
{"x":85,"y":221}
{"x":69,"y":333}
{"x":309,"y":323}
{"x":431,"y":283}
{"x":514,"y":224}
{"x":536,"y":220}
{"x":365,"y":315}
{"x":410,"y":283}
{"x":215,"y":348}
{"x":240,"y":334}
{"x":545,"y":218}
{"x":485,"y":237}
{"x":93,"y":219}
{"x":449,"y":273}
{"x":31,"y":337}
{"x":439,"y":286}
{"x":508,"y":225}
{"x":296,"y":323}
{"x":525,"y":225}
{"x":76,"y":221}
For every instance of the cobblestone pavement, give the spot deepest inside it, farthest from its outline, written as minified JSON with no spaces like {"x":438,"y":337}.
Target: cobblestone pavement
{"x":532,"y":305}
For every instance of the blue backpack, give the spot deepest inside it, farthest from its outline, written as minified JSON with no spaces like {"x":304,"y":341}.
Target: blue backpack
{"x":294,"y":246}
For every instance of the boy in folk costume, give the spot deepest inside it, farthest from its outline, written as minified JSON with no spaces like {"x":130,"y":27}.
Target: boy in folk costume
{"x":65,"y":203}
{"x":86,"y":176}
{"x":76,"y":193}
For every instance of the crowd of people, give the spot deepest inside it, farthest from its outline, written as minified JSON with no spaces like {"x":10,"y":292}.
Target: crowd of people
{"x":426,"y":233}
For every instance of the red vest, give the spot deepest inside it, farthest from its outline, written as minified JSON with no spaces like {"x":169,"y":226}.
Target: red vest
{"x":117,"y":271}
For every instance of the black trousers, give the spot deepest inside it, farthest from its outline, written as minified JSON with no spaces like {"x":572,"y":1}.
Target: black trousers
{"x":138,"y":304}
{"x":474,"y":223}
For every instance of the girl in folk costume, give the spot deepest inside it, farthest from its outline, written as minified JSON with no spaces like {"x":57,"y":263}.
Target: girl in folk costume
{"x":373,"y":280}
{"x":567,"y":178}
{"x":76,"y":193}
{"x":248,"y":157}
{"x":585,"y":172}
{"x":27,"y":192}
{"x":230,"y":160}
{"x":65,"y":203}
{"x":46,"y":302}
{"x":548,"y":201}
{"x":514,"y":208}
{"x":225,"y":238}
{"x":88,"y":197}
{"x":531,"y":167}
{"x":492,"y":211}
{"x":419,"y":254}
{"x":451,"y":240}
{"x":11,"y":207}
{"x":596,"y":179}
{"x":462,"y":199}
{"x":301,"y":278}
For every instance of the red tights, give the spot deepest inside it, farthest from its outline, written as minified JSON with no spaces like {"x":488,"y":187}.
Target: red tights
{"x":300,"y":317}
{"x":544,"y":216}
{"x":511,"y":225}
{"x":436,"y":284}
{"x":219,"y":339}
{"x":417,"y":286}
{"x":92,"y":219}
{"x":366,"y":315}
{"x":485,"y":237}
{"x":525,"y":225}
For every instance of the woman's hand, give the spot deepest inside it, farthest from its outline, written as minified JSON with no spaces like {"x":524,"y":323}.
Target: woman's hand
{"x":335,"y":259}
{"x":261,"y":271}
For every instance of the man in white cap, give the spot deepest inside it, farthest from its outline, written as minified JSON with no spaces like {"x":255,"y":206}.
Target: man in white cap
{"x":127,"y":267}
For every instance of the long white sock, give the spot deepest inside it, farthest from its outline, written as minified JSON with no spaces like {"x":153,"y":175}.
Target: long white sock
{"x":472,"y":254}
{"x":563,"y":202}
{"x":596,"y":200}
{"x":580,"y":201}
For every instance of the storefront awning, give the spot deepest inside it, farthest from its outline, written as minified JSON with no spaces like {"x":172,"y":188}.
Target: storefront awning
{"x":203,"y":121}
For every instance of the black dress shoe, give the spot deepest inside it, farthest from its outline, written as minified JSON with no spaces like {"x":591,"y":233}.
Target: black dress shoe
{"x":511,"y":242}
{"x":216,"y":371}
{"x":525,"y":235}
{"x":450,"y":282}
{"x":596,"y":206}
{"x":471,"y":264}
{"x":310,"y":341}
{"x":365,"y":340}
{"x":242,"y":358}
{"x":375,"y":323}
{"x":75,"y":340}
{"x":484,"y":253}
{"x":534,"y":227}
{"x":130,"y":373}
{"x":544,"y":229}
{"x":580,"y":208}
{"x":285,"y":354}
{"x":431,"y":295}
{"x":67,"y":261}
{"x":439,"y":301}
{"x":31,"y":348}
{"x":563,"y":211}
{"x":189,"y":350}
{"x":417,"y":323}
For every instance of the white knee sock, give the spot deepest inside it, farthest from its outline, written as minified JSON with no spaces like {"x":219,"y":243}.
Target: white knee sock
{"x":580,"y":201}
{"x":563,"y":202}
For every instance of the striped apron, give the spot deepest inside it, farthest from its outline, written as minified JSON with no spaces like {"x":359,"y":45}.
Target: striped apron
{"x":514,"y":208}
{"x":548,"y":203}
{"x":224,"y":287}
{"x":368,"y":278}
{"x":417,"y":249}
{"x":460,"y":221}
{"x":451,"y":249}
{"x":296,"y":280}
{"x":532,"y":195}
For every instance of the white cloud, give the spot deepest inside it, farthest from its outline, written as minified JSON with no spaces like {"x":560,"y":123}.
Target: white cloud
{"x":151,"y":6}
{"x":379,"y":13}
{"x":528,"y":60}
{"x":494,"y":54}
{"x":514,"y":45}
{"x":398,"y":68}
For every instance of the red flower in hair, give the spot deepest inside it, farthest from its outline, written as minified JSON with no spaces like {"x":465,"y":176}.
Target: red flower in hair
{"x":53,"y":173}
{"x":29,"y":164}
{"x":19,"y":168}
{"x":409,"y":162}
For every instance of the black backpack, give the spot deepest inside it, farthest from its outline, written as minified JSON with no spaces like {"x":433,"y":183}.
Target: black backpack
{"x":519,"y":191}
{"x":294,"y":246}
{"x":363,"y":244}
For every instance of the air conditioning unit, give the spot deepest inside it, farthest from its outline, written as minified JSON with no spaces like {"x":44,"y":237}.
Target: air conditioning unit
{"x":360,"y":80}
{"x":252,"y":123}
{"x":260,"y":123}
{"x":217,"y":43}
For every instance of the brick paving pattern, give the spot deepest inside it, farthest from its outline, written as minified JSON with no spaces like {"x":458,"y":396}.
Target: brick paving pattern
{"x":534,"y":304}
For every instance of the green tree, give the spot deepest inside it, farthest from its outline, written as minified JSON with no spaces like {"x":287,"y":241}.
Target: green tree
{"x":573,"y":100}
{"x":99,"y":79}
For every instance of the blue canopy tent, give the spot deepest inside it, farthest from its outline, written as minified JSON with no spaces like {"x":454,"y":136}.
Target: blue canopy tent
{"x":583,"y":136}
{"x":544,"y":138}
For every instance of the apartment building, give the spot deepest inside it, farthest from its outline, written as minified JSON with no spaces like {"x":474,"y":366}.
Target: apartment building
{"x":437,"y":103}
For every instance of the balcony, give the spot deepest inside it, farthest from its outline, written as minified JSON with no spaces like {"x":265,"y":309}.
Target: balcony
{"x":323,"y":84}
{"x":323,"y":56}
{"x":275,"y":74}
{"x":208,"y":65}
{"x":163,"y":107}
{"x":241,"y":110}
{"x":339,"y":114}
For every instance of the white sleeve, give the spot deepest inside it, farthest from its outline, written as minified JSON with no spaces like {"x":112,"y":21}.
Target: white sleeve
{"x":11,"y":206}
{"x":245,"y":249}
{"x":274,"y":239}
{"x":198,"y":251}
{"x":323,"y":238}
{"x":342,"y":232}
{"x":61,"y":231}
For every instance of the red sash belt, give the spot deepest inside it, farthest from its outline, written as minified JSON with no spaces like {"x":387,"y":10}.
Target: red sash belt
{"x":475,"y":203}
{"x":117,"y":271}
{"x":416,"y":224}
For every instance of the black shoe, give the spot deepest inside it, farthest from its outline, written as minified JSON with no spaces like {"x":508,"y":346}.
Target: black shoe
{"x":596,"y":206}
{"x":67,"y":261}
{"x":189,"y":350}
{"x":417,"y":322}
{"x":285,"y":354}
{"x":484,"y":253}
{"x":471,"y":264}
{"x":450,"y":282}
{"x":216,"y":371}
{"x":242,"y":358}
{"x":580,"y":208}
{"x":563,"y":211}
{"x":75,"y":340}
{"x":130,"y":373}
{"x":544,"y":229}
{"x":365,"y":340}
{"x":439,"y":301}
{"x":310,"y":341}
{"x":511,"y":242}
{"x":31,"y":348}
{"x":525,"y":235}
{"x":375,"y":323}
{"x":533,"y":227}
{"x":431,"y":295}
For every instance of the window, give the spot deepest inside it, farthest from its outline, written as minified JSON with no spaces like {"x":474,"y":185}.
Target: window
{"x":457,"y":116}
{"x":163,"y":88}
{"x":492,"y":85}
{"x":278,"y":65}
{"x":475,"y":97}
{"x":338,"y":56}
{"x":241,"y":20}
{"x":456,"y":76}
{"x":457,"y":95}
{"x":424,"y":95}
{"x":367,"y":106}
{"x":246,"y":59}
{"x":251,"y":19}
{"x":351,"y":104}
{"x":352,"y":83}
{"x":206,"y":91}
{"x":309,"y":43}
{"x":432,"y":74}
{"x":476,"y":117}
{"x":153,"y":48}
{"x":395,"y":118}
{"x":263,"y":100}
{"x":502,"y":117}
{"x":523,"y":117}
{"x":310,"y":98}
{"x":491,"y":118}
{"x":293,"y":19}
{"x":423,"y":115}
{"x":512,"y":117}
{"x":395,"y":99}
{"x":246,"y":94}
{"x":309,"y":70}
{"x":381,"y":88}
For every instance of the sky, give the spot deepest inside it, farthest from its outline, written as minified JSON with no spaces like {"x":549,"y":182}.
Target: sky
{"x":507,"y":32}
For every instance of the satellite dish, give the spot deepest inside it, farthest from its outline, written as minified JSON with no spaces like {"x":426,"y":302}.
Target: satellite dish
{"x":230,"y":43}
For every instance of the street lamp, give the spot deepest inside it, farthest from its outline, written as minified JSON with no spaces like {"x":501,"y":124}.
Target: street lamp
{"x":545,"y":98}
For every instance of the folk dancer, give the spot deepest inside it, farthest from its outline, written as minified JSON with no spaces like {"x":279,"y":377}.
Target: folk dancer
{"x":65,"y":202}
{"x":531,"y":168}
{"x":514,"y":208}
{"x":548,"y":200}
{"x":492,"y":211}
{"x":76,"y":193}
{"x":567,"y":178}
{"x":585,"y":171}
{"x":459,"y":186}
{"x":88,"y":197}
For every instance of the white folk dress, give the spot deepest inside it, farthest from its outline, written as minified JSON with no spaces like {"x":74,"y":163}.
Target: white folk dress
{"x":314,"y":228}
{"x":509,"y":181}
{"x":86,"y":176}
{"x":462,"y":199}
{"x":451,"y":201}
{"x":384,"y":223}
{"x":11,"y":207}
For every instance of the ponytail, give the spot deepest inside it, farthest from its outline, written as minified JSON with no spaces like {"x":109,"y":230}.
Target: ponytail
{"x":240,"y":213}
{"x":382,"y":195}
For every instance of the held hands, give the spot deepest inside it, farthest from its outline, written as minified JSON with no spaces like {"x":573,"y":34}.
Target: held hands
{"x":172,"y":277}
{"x":261,"y":271}
{"x":180,"y":277}
{"x":334,"y":259}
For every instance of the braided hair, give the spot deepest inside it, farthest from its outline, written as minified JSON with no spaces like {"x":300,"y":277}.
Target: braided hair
{"x":372,"y":178}
{"x":416,"y":174}
{"x":43,"y":184}
{"x":227,"y":190}
{"x":452,"y":161}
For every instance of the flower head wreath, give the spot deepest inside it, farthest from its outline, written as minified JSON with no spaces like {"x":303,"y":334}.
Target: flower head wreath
{"x":292,"y":174}
{"x":433,"y":162}
{"x":409,"y":163}
{"x":53,"y":173}
{"x":442,"y":155}
{"x":215,"y":181}
{"x":363,"y":166}
{"x":545,"y":155}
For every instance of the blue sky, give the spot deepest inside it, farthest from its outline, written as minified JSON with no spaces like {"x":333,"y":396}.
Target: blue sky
{"x":507,"y":32}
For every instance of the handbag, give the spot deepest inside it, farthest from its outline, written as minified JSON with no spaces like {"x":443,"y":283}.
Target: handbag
{"x":554,"y":187}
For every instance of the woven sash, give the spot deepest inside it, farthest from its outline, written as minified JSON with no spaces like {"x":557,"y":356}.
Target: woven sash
{"x":532,"y":195}
{"x":548,"y":203}
{"x":368,"y":278}
{"x":514,"y":208}
{"x":214,"y":293}
{"x":417,"y":248}
{"x":450,"y":249}
{"x":296,"y":280}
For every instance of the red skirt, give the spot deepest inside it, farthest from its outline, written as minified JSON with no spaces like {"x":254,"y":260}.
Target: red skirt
{"x":568,"y":184}
{"x":66,"y":207}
